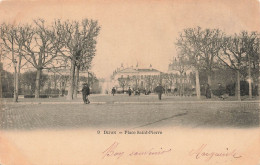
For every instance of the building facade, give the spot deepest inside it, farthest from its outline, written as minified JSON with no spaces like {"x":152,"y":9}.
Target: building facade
{"x":58,"y":80}
{"x":182,"y":76}
{"x":135,"y":78}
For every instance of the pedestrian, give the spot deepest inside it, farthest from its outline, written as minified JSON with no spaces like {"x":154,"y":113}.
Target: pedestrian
{"x":138,"y":92}
{"x":145,"y":92}
{"x":129,"y":91}
{"x":208,"y":91}
{"x":113,"y":91}
{"x":85,"y":93}
{"x":159,"y":90}
{"x":220,"y":90}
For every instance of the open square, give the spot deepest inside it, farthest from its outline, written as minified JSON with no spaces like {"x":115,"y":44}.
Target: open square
{"x":122,"y":111}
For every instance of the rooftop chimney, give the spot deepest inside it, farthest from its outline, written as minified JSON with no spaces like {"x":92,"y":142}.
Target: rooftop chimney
{"x":122,"y":67}
{"x":151,"y":68}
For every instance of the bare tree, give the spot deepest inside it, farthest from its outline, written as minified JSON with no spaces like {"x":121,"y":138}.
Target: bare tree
{"x":39,"y":48}
{"x":188,"y":46}
{"x":63,"y":79}
{"x":252,"y":48}
{"x":12,"y":42}
{"x":149,"y":82}
{"x":256,"y":62}
{"x":201,"y":47}
{"x":181,"y":65}
{"x":124,"y":82}
{"x":155,"y":80}
{"x":1,"y":68}
{"x":84,"y":63}
{"x":80,"y":41}
{"x":168,"y":79}
{"x":210,"y":45}
{"x":135,"y":80}
{"x":233,"y":54}
{"x":8,"y":46}
{"x":28,"y":79}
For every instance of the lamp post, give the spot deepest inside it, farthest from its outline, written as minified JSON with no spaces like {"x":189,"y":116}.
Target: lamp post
{"x":15,"y":83}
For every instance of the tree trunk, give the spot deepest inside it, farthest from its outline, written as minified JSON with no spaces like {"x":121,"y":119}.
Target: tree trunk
{"x":18,"y":76}
{"x":17,"y":86}
{"x":238,"y":86}
{"x":209,"y":79}
{"x":60,"y":88}
{"x":75,"y":94}
{"x":258,"y":81}
{"x":180,"y":85}
{"x":1,"y":68}
{"x":15,"y":70}
{"x":55,"y":82}
{"x":37,"y":83}
{"x":15,"y":92}
{"x":72,"y":77}
{"x":249,"y":79}
{"x":197,"y":84}
{"x":183,"y":86}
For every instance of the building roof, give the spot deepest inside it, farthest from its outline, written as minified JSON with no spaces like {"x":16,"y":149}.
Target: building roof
{"x":132,"y":70}
{"x":128,"y":70}
{"x":148,"y":70}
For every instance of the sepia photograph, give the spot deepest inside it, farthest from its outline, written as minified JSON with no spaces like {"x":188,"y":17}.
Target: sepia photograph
{"x":148,"y":82}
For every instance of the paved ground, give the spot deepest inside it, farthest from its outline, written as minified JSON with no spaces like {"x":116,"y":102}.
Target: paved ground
{"x":122,"y":111}
{"x":57,"y":131}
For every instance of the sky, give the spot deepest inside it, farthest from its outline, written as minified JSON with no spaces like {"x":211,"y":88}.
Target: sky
{"x":142,"y":31}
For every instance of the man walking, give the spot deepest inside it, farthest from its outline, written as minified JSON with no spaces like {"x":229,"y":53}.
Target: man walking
{"x":113,"y":91}
{"x":159,"y":90}
{"x":85,"y":93}
{"x":208,"y":91}
{"x":129,"y":91}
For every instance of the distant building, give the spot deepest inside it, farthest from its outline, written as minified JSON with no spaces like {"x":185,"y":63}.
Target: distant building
{"x":183,"y":80}
{"x":134,"y":77}
{"x":58,"y":79}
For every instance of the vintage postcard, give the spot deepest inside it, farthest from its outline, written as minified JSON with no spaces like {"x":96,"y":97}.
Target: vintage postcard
{"x":129,"y":82}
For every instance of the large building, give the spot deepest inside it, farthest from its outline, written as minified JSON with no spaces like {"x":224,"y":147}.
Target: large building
{"x":135,"y":77}
{"x":182,"y":76}
{"x":58,"y":79}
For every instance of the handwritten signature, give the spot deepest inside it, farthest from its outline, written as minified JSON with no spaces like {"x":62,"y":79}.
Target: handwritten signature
{"x":112,"y":151}
{"x":202,"y":152}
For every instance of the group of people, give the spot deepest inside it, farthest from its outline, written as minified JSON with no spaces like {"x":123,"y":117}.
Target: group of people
{"x":129,"y":91}
{"x":86,"y":92}
{"x":159,"y":90}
